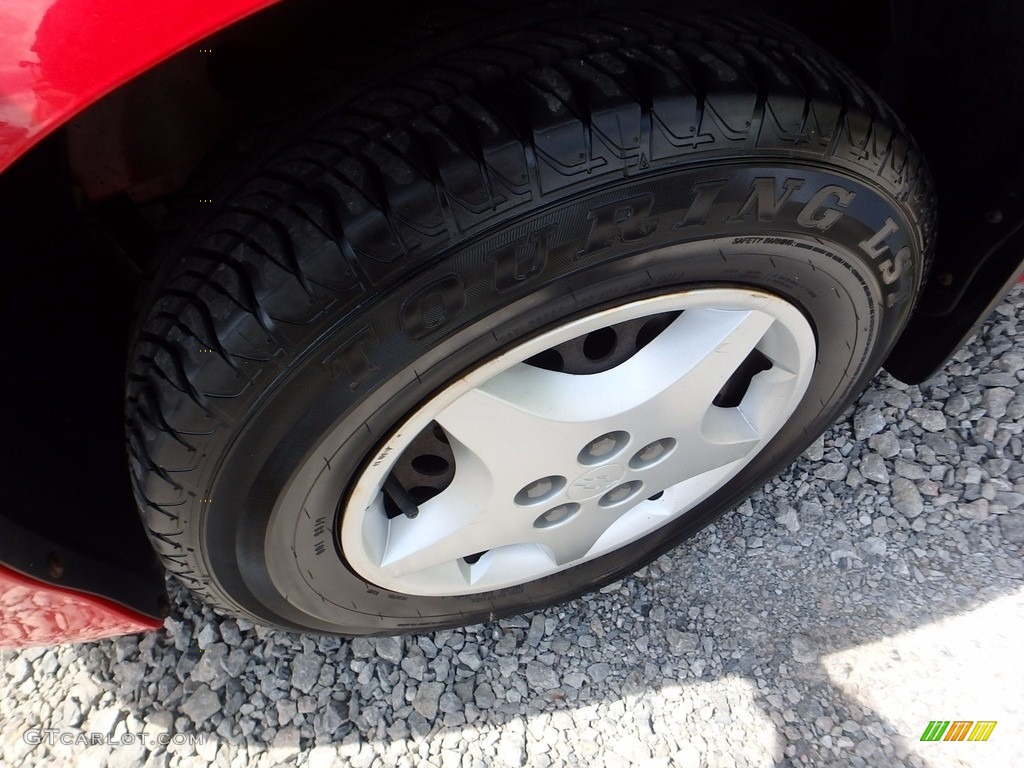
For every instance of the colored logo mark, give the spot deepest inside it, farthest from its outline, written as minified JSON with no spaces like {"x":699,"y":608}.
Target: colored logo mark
{"x":958,"y":730}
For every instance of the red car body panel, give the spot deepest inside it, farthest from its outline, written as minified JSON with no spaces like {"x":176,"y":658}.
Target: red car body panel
{"x":35,"y":613}
{"x":59,"y":56}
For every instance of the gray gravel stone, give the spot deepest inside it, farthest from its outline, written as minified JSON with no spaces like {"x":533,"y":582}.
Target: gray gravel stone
{"x":1011,"y":499}
{"x":873,"y":468}
{"x":815,"y":450}
{"x":536,"y":633}
{"x":687,"y":756}
{"x":886,"y":444}
{"x":995,"y":400}
{"x":427,"y":698}
{"x":541,"y":676}
{"x":956,"y":405}
{"x":235,"y":663}
{"x":985,"y":431}
{"x":286,"y":710}
{"x":390,"y":649}
{"x":484,"y":696}
{"x":909,"y":470}
{"x":306,"y":671}
{"x":127,"y":755}
{"x":207,"y":636}
{"x":929,"y":419}
{"x":906,"y":498}
{"x":999,"y":379}
{"x":159,"y":722}
{"x":323,"y":756}
{"x":867,"y":422}
{"x":104,"y":719}
{"x":201,"y":704}
{"x":811,"y":511}
{"x":286,"y":743}
{"x":681,"y":642}
{"x":1012,"y":527}
{"x":632,"y":750}
{"x":832,"y":472}
{"x":803,"y":648}
{"x":789,"y":520}
{"x":20,"y":670}
{"x":449,"y":703}
{"x":415,"y":667}
{"x":843,"y":555}
{"x":363,"y":648}
{"x":874,"y":546}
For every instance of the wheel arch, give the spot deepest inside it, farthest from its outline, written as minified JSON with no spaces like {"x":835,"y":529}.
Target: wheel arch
{"x":220,"y":59}
{"x":68,"y":55}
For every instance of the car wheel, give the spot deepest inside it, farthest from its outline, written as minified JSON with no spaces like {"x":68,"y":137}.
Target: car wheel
{"x":489,"y":331}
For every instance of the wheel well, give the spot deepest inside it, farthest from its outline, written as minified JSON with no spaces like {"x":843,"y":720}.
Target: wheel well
{"x":146,"y":138}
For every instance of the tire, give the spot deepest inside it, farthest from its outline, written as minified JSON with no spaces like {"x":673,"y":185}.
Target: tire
{"x":680,"y":241}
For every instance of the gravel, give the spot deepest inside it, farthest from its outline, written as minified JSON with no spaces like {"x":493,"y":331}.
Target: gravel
{"x":874,"y":585}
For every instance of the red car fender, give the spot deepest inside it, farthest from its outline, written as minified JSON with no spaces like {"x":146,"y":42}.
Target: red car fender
{"x":59,"y":56}
{"x":35,"y":613}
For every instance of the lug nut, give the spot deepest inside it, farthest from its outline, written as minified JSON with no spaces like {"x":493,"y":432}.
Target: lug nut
{"x":557,"y":515}
{"x":620,"y":493}
{"x":652,"y":453}
{"x":540,"y":490}
{"x":604,"y":447}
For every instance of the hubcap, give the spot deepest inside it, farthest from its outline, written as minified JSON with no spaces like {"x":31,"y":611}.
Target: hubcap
{"x":577,"y":442}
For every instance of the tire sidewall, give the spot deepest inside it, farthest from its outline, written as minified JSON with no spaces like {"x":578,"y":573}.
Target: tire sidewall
{"x":846,"y":254}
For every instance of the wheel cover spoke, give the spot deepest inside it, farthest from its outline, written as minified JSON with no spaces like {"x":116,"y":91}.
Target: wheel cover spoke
{"x":573,"y":541}
{"x":437,"y":537}
{"x":553,"y":468}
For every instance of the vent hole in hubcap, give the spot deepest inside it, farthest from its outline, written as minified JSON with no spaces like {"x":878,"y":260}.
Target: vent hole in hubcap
{"x":735,"y":389}
{"x":600,"y":343}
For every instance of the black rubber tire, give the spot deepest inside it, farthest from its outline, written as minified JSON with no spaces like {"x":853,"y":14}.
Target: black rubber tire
{"x":399,"y":233}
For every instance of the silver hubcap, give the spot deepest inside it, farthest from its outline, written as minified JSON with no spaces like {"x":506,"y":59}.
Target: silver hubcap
{"x":544,"y":468}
